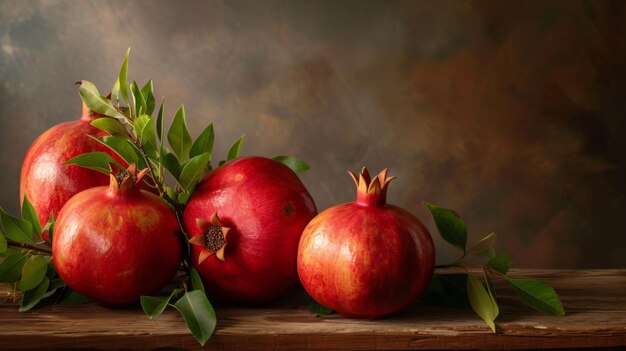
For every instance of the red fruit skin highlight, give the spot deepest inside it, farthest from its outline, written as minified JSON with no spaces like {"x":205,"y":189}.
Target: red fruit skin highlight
{"x":266,"y":207}
{"x":114,"y":245}
{"x":365,"y":259}
{"x":46,"y":181}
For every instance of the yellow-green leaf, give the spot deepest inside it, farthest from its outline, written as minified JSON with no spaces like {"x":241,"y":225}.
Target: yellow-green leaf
{"x":33,"y":272}
{"x":482,"y":301}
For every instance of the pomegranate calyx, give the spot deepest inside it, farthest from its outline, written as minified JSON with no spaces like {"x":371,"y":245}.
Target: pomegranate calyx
{"x":126,"y":178}
{"x":212,"y":239}
{"x":371,"y":192}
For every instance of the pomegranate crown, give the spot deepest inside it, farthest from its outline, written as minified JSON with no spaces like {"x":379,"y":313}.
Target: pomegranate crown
{"x":371,"y":191}
{"x":126,"y":178}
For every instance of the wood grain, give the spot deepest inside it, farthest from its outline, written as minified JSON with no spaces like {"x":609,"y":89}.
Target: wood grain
{"x":595,"y":302}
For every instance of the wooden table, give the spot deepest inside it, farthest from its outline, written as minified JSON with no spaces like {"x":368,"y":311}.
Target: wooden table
{"x":595,"y":302}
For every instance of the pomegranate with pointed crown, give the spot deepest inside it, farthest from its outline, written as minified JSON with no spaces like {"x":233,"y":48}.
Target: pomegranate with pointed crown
{"x":245,"y":220}
{"x":49,"y":183}
{"x":366,"y":259}
{"x":116,"y":243}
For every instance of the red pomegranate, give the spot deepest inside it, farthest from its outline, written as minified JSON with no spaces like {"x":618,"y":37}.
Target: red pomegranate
{"x":116,"y":243}
{"x":245,"y":220}
{"x":366,"y":259}
{"x":45,"y":180}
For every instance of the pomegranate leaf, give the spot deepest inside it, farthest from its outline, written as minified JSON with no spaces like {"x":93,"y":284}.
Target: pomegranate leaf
{"x":170,"y":162}
{"x":153,"y":306}
{"x":49,"y":228}
{"x":16,"y":229}
{"x":296,"y":165}
{"x":145,"y":131}
{"x":483,"y":244}
{"x":33,"y":272}
{"x":96,"y":102}
{"x":204,"y":142}
{"x":178,"y":136}
{"x":148,"y":93}
{"x":318,"y":309}
{"x":110,"y":125}
{"x":71,"y":297}
{"x":193,"y":170}
{"x":235,"y":149}
{"x":197,"y":311}
{"x":139,"y":101}
{"x":30,"y":215}
{"x":482,"y":301}
{"x":11,"y":266}
{"x":32,"y":297}
{"x":122,"y":80}
{"x":196,"y":281}
{"x":125,"y":149}
{"x":538,"y":295}
{"x":159,"y":125}
{"x":501,"y":263}
{"x":3,"y":244}
{"x":96,"y":160}
{"x":450,"y":225}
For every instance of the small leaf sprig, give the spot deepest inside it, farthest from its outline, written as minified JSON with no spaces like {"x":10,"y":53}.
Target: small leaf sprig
{"x":460,"y":289}
{"x":26,"y":266}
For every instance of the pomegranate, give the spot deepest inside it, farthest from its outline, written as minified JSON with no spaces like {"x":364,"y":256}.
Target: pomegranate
{"x":45,"y":180}
{"x":367,"y":258}
{"x":116,"y":243}
{"x":245,"y":220}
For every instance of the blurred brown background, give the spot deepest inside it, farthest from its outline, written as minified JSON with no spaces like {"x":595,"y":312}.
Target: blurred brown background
{"x":511,"y":112}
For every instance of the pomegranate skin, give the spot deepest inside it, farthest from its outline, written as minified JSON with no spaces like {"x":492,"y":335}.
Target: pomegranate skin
{"x":266,"y":207}
{"x":114,"y":245}
{"x":365,"y":259}
{"x":45,"y":180}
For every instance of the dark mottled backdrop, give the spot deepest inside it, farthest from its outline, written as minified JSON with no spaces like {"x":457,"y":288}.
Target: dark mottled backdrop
{"x":511,"y":112}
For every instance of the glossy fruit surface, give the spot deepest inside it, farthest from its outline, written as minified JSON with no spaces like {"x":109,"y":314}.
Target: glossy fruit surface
{"x":45,"y":180}
{"x":114,"y":244}
{"x":245,"y":220}
{"x":367,"y":258}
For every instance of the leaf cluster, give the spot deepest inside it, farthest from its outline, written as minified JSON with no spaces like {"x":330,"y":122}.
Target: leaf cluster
{"x":26,"y":266}
{"x":460,"y":290}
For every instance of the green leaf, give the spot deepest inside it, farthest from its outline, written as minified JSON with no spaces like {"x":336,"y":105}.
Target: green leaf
{"x":196,"y":281}
{"x":125,"y":149}
{"x":110,"y":125}
{"x":153,"y":306}
{"x":73,"y":298}
{"x":448,"y":290}
{"x":160,"y":120}
{"x":183,"y":197}
{"x":16,"y":229}
{"x":450,"y":225}
{"x":96,"y":102}
{"x":98,"y":161}
{"x":170,"y":162}
{"x":122,"y":79}
{"x":178,"y":136}
{"x":49,"y":228}
{"x":3,"y":244}
{"x":538,"y":295}
{"x":145,"y":131}
{"x":148,"y":93}
{"x":318,"y":309}
{"x":483,"y":244}
{"x":32,"y":297}
{"x":501,"y":263}
{"x":296,"y":165}
{"x":482,"y":301}
{"x":139,"y":101}
{"x":115,"y":92}
{"x":204,"y":142}
{"x":233,"y":153}
{"x":193,"y":170}
{"x":11,"y":266}
{"x":198,"y":313}
{"x":33,"y":272}
{"x":30,"y":215}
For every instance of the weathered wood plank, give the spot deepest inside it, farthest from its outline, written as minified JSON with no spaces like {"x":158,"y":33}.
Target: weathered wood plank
{"x":595,"y":302}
